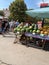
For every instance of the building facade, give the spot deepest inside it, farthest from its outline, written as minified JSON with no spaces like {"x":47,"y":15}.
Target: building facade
{"x":6,"y":12}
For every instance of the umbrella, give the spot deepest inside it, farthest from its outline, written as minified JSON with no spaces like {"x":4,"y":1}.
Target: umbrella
{"x":41,"y":12}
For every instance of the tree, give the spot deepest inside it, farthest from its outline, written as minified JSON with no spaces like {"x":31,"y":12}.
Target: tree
{"x":1,"y":13}
{"x":17,"y":9}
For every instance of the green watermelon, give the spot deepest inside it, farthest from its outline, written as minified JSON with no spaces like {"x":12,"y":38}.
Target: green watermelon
{"x":41,"y":34}
{"x":22,"y":30}
{"x":30,"y":27}
{"x":27,"y":29}
{"x":21,"y":27}
{"x":38,"y":31}
{"x":34,"y":31}
{"x":15,"y":29}
{"x":30,"y":31}
{"x":18,"y":29}
{"x":33,"y":24}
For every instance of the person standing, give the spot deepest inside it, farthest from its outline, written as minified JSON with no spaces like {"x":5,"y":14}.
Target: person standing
{"x":16,"y":23}
{"x":7,"y":26}
{"x":11,"y":25}
{"x":3,"y":25}
{"x":0,"y":26}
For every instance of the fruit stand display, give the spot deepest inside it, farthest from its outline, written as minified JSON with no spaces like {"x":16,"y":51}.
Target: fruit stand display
{"x":32,"y":35}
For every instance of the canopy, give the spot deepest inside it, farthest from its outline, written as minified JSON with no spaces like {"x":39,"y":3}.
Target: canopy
{"x":41,"y":12}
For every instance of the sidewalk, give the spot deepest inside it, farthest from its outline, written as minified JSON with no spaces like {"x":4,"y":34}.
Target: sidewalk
{"x":17,"y":54}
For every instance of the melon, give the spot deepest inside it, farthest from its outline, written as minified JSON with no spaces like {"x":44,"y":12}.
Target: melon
{"x":41,"y":32}
{"x":20,"y":27}
{"x":32,"y":24}
{"x":15,"y":29}
{"x":45,"y":33}
{"x":22,"y":30}
{"x":38,"y":31}
{"x":34,"y":31}
{"x":30,"y":27}
{"x":30,"y":31}
{"x":41,"y":29}
{"x":27,"y":29}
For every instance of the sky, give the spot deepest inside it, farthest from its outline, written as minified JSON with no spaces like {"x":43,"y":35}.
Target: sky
{"x":31,"y":4}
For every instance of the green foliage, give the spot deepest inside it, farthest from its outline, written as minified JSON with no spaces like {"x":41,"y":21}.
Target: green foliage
{"x":10,"y":17}
{"x":1,"y":13}
{"x":17,"y":10}
{"x":46,"y":20}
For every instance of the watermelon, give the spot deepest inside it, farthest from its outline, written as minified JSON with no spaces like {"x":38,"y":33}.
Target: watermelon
{"x":21,"y":27}
{"x":30,"y":27}
{"x":41,"y":34}
{"x":33,"y":25}
{"x":30,"y":31}
{"x":38,"y":31}
{"x":34,"y":31}
{"x":18,"y":29}
{"x":22,"y":30}
{"x":27,"y":29}
{"x":15,"y":29}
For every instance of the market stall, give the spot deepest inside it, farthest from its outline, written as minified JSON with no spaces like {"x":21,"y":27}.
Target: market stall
{"x":32,"y":34}
{"x":38,"y":40}
{"x":42,"y":13}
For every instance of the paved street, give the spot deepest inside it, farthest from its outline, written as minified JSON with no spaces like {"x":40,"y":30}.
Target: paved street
{"x":17,"y":54}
